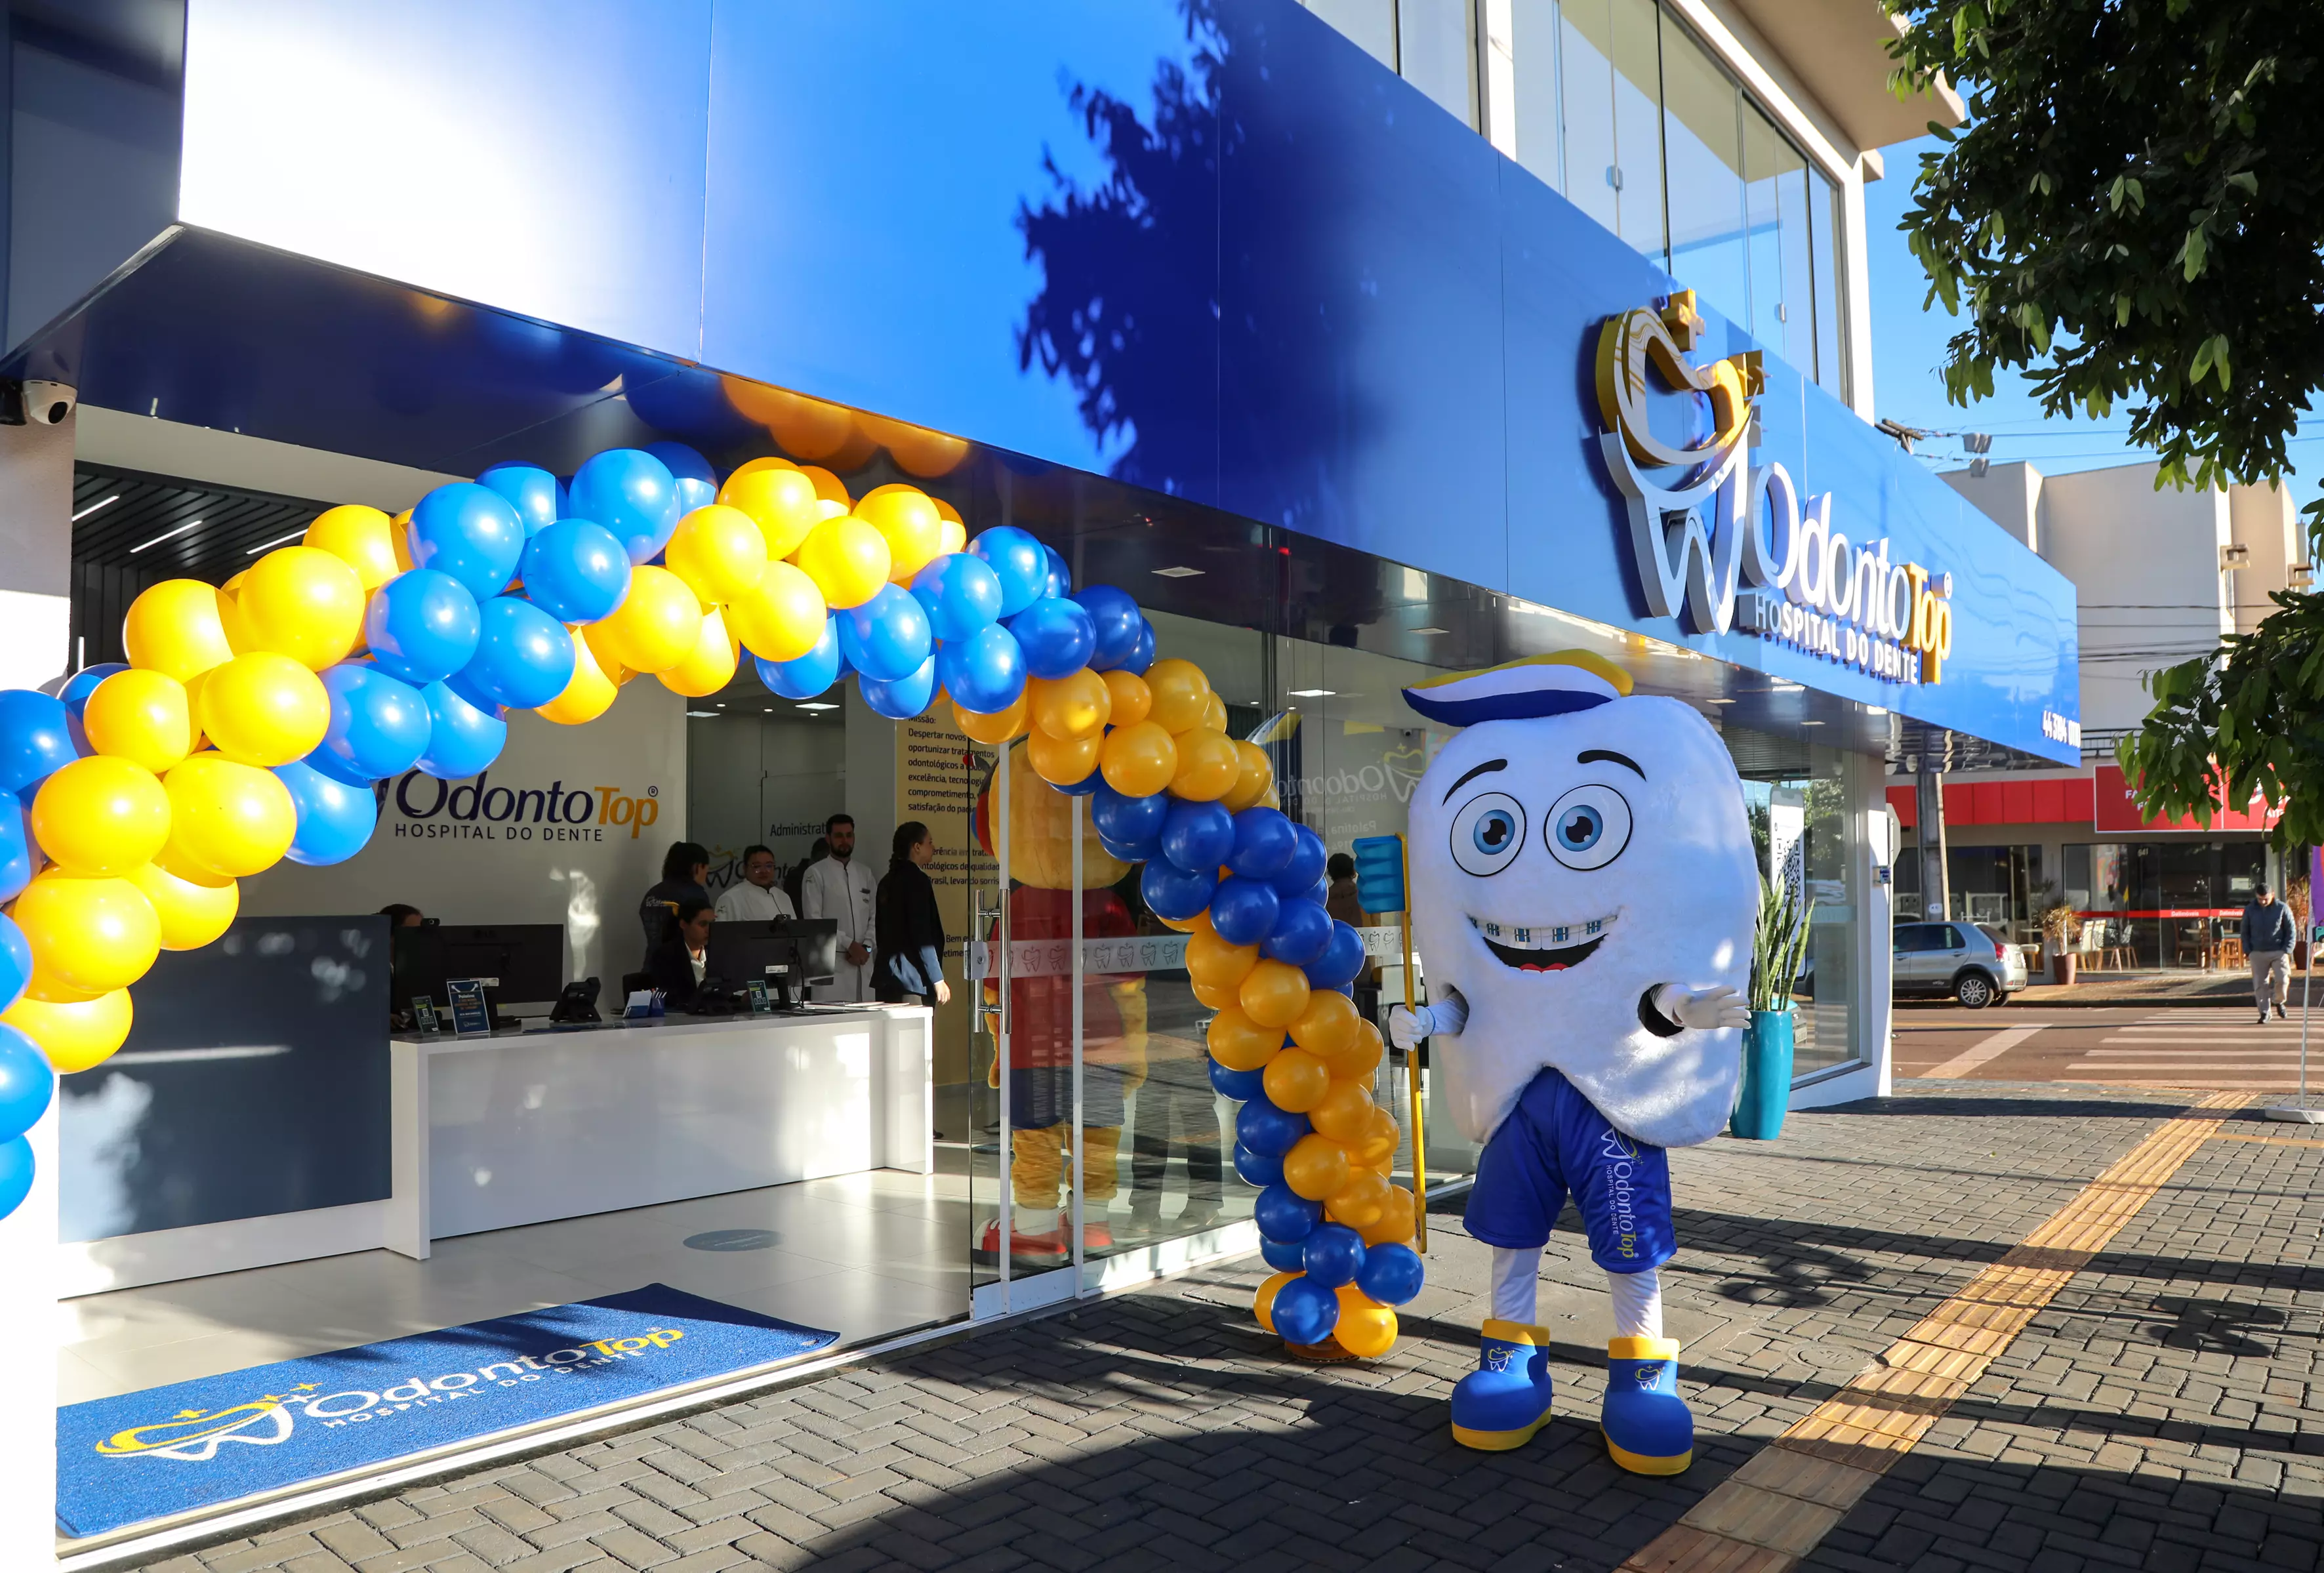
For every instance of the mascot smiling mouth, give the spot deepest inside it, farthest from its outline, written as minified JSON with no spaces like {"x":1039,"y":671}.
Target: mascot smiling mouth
{"x":1544,"y":948}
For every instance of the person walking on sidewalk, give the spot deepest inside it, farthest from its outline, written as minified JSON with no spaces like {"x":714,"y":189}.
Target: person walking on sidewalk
{"x":2268,"y":937}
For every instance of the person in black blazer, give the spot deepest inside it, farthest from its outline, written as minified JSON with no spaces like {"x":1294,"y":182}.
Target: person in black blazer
{"x":677,"y":963}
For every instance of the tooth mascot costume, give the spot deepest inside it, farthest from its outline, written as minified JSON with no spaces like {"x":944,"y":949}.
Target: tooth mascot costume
{"x":1583,"y":893}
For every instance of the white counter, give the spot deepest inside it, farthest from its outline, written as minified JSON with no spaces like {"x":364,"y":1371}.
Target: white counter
{"x":518,"y":1128}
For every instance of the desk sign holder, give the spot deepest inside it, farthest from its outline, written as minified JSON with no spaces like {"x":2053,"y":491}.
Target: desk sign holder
{"x":760,"y":1004}
{"x":471,"y":1016}
{"x":423,"y":1014}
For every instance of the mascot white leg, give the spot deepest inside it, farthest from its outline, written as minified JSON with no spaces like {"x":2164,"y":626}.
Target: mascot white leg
{"x":1584,"y":891}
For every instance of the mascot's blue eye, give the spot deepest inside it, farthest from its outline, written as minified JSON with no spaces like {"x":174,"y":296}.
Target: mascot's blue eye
{"x":1580,"y":829}
{"x":1488,"y":834}
{"x":1495,"y":832}
{"x":1589,"y":827}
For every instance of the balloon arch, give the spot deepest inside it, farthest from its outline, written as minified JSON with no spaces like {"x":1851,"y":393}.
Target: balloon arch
{"x":253,"y":719}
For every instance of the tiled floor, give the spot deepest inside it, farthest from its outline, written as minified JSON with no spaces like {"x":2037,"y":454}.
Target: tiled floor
{"x":865,"y":1254}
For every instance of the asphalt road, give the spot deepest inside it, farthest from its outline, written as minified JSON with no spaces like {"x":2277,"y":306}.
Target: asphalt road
{"x":2214,"y":1048}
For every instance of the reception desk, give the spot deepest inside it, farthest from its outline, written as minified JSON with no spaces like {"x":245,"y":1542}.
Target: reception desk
{"x":493,"y":1132}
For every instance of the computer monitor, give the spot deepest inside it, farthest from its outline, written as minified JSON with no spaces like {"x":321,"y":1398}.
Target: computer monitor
{"x":524,"y":963}
{"x":789,"y":953}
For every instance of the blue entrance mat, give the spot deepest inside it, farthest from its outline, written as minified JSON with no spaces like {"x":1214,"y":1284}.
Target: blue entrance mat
{"x":194,"y":1444}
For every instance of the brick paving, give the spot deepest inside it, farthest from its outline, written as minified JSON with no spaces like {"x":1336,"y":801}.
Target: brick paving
{"x":2161,"y":1412}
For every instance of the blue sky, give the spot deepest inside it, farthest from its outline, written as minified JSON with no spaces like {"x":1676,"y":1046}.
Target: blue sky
{"x":1908,"y":345}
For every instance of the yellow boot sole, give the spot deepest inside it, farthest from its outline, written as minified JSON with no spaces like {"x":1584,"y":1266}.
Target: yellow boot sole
{"x":1640,"y":1464}
{"x":1499,"y":1442}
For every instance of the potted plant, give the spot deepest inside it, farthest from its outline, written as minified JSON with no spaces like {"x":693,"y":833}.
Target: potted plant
{"x":2057,"y":938}
{"x":1778,"y":945}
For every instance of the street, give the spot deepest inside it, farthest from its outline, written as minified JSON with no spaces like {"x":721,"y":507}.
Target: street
{"x":2212,"y":1048}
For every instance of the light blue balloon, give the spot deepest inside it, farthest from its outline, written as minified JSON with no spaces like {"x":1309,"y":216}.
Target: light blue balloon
{"x":524,"y":657}
{"x":632,"y":493}
{"x":812,"y":673}
{"x":471,"y":532}
{"x":16,"y":1174}
{"x":696,"y":482}
{"x":462,"y":739}
{"x":901,"y":701}
{"x":334,"y":819}
{"x":984,"y":672}
{"x":887,"y":637}
{"x":26,"y":1083}
{"x":379,"y":724}
{"x":576,"y":571}
{"x":421,"y":626}
{"x":962,"y":594}
{"x":1021,"y":562}
{"x":15,"y":849}
{"x":531,"y":490}
{"x":15,"y":961}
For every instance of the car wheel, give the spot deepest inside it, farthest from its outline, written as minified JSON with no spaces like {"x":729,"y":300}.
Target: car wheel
{"x":1974,"y":990}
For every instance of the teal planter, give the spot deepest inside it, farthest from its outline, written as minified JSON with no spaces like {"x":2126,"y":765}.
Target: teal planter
{"x":1767,"y":1077}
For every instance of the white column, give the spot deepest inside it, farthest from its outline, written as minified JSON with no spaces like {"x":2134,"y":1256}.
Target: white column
{"x":36,"y":478}
{"x":1871,"y":877}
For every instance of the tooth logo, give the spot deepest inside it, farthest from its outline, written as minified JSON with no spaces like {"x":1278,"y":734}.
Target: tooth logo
{"x":192,"y":1435}
{"x":1404,"y":766}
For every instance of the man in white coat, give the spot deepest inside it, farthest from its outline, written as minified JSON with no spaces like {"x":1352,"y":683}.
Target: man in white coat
{"x":841,"y":889}
{"x":757,"y":898}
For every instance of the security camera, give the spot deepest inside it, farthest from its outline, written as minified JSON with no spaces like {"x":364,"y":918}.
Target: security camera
{"x":49,"y":403}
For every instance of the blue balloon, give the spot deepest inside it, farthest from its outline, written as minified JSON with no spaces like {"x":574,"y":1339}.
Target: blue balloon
{"x":1341,"y":963}
{"x":1283,"y":1255}
{"x":962,"y":594}
{"x":888,"y":637}
{"x":1334,"y":1254}
{"x":1087,"y":787}
{"x":524,"y":657}
{"x":74,"y":695}
{"x":900,"y":700}
{"x":1056,"y":637}
{"x":1060,"y":580}
{"x":1305,"y":1312}
{"x":696,"y":482}
{"x":1302,"y":930}
{"x":1282,"y":1214}
{"x":1173,"y":892}
{"x":379,"y":724}
{"x":1021,"y":562}
{"x":1116,"y":618}
{"x":15,"y":961}
{"x":576,"y":571}
{"x":1298,"y":877}
{"x":15,"y":849}
{"x":1197,"y":836}
{"x":1267,"y":1130}
{"x":462,"y":739}
{"x":1129,"y":820}
{"x":471,"y":532}
{"x":35,"y":739}
{"x":1243,"y":910}
{"x":531,"y":490}
{"x":985,"y":672}
{"x":808,"y":674}
{"x":26,"y":1083}
{"x":422,"y":627}
{"x":1241,"y":1086}
{"x":1142,"y":657}
{"x":334,"y":819}
{"x":16,"y":1174}
{"x":632,"y":493}
{"x":1256,"y":1169}
{"x":1126,"y":852}
{"x":1391,"y":1274}
{"x":1264,"y":842}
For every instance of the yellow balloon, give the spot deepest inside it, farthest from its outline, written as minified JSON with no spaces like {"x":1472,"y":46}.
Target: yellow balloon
{"x":74,"y":1036}
{"x":141,"y":716}
{"x":995,"y":729}
{"x":192,"y":913}
{"x":710,"y":665}
{"x":781,"y":617}
{"x":398,"y":536}
{"x":1073,"y":707}
{"x":828,"y":487}
{"x":1315,"y":1168}
{"x":94,"y":936}
{"x":1297,"y":1080}
{"x":264,"y":708}
{"x":1131,"y":700}
{"x":1182,"y":695}
{"x":173,"y":627}
{"x":1255,"y":783}
{"x":955,"y":532}
{"x":1328,"y":1024}
{"x":589,"y":694}
{"x":302,"y":603}
{"x":1208,"y":766}
{"x":1240,"y":1044}
{"x":719,"y":552}
{"x":1345,"y":1112}
{"x":1355,"y":1059}
{"x":101,"y":816}
{"x":1362,"y":1202}
{"x":752,"y":467}
{"x":1379,"y":1140}
{"x":226,"y":819}
{"x":1215,"y":715}
{"x":1061,"y":761}
{"x":911,"y":523}
{"x":1274,"y":994}
{"x":1366,"y":1328}
{"x":1396,"y":1222}
{"x":847,"y":559}
{"x":1214,"y":996}
{"x":657,"y":623}
{"x":363,"y":539}
{"x":1263,"y":1306}
{"x":1211,"y":960}
{"x":1138,"y":760}
{"x":780,"y":501}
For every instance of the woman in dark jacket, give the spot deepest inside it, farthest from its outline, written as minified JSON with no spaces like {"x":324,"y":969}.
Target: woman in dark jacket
{"x":908,"y":929}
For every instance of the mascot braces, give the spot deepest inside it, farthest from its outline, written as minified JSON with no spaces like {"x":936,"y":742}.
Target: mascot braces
{"x":1583,"y":890}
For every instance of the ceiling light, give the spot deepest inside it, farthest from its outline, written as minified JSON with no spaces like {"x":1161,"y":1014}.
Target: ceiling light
{"x":817,"y":705}
{"x":1312,"y":692}
{"x":703,"y":714}
{"x":1787,"y":687}
{"x":1875,"y":710}
{"x":93,"y":507}
{"x":1718,"y":702}
{"x":1179,"y":571}
{"x":1428,"y":630}
{"x":1811,"y":724}
{"x":298,"y":534}
{"x":167,"y":535}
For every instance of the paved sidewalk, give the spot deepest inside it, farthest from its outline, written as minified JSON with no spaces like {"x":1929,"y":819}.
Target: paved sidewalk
{"x":2163,"y":1411}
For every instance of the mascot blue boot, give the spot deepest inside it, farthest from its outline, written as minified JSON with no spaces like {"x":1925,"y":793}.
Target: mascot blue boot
{"x":1584,"y":887}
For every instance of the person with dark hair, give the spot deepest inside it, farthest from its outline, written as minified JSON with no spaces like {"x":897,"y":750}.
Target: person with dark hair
{"x":841,"y":889}
{"x":794,"y":882}
{"x":683,"y":869}
{"x":678,"y":963}
{"x":1341,"y":900}
{"x":908,"y":929}
{"x":757,"y":898}
{"x":399,"y":914}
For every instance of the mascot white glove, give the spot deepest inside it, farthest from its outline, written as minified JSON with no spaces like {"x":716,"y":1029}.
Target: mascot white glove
{"x":1704,"y":1009}
{"x":1406,"y":1026}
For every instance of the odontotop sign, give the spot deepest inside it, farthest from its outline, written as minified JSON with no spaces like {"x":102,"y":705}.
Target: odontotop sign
{"x":1723,"y":542}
